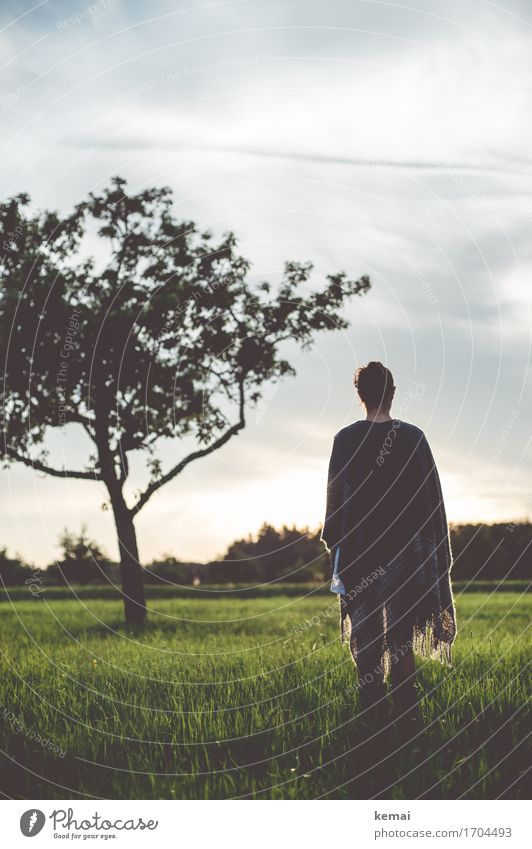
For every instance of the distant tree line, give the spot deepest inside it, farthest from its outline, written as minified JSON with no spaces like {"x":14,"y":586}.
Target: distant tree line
{"x":492,"y":552}
{"x":481,"y":552}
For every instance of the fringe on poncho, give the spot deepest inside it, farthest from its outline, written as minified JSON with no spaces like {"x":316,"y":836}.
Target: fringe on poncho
{"x":385,"y":512}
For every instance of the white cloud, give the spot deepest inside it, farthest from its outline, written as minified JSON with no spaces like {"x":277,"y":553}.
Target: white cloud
{"x":265,"y":118}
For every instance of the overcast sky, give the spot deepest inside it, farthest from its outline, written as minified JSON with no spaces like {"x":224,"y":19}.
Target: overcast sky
{"x":365,"y":136}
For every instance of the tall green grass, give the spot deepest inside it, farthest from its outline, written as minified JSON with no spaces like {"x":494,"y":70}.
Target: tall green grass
{"x":250,"y":697}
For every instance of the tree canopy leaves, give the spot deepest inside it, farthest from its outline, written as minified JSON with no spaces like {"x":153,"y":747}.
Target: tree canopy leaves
{"x":138,"y":326}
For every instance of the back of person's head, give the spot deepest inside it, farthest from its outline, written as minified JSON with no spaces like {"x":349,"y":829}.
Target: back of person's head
{"x":375,"y":385}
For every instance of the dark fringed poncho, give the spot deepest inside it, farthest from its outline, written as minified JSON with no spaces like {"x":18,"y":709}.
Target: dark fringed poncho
{"x":385,"y":511}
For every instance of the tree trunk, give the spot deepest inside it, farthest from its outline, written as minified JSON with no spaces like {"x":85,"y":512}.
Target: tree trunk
{"x":130,"y":568}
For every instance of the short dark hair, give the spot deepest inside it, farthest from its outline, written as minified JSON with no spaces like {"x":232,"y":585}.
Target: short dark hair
{"x":374,"y":384}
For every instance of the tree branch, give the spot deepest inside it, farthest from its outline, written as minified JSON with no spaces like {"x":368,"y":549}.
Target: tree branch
{"x":80,"y":418}
{"x":195,"y":455}
{"x":124,"y":463}
{"x":58,"y":473}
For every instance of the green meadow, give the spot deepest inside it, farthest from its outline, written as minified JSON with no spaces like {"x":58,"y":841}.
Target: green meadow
{"x":232,"y":694}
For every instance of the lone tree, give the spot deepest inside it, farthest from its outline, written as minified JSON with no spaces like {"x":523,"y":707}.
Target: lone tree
{"x":159,"y":334}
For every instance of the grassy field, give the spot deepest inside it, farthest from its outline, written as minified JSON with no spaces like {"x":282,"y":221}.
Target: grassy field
{"x":241,"y":696}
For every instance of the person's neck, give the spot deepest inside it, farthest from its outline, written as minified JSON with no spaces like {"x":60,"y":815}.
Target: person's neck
{"x":378,"y":416}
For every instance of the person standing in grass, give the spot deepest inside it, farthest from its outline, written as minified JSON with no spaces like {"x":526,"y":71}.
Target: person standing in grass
{"x":386,"y":530}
